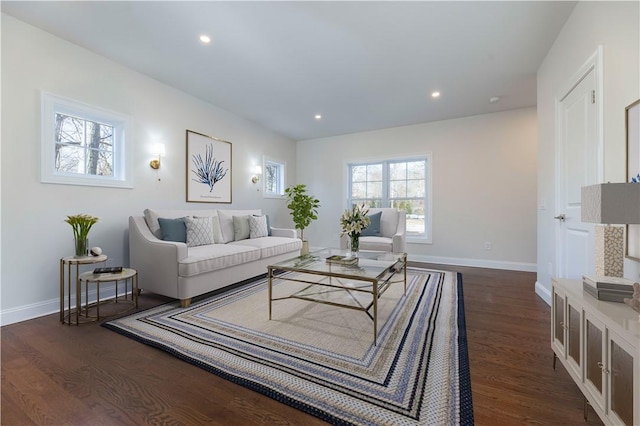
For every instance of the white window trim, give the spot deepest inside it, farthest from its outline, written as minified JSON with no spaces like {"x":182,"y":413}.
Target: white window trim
{"x":428,"y":237}
{"x":123,"y":150}
{"x":266,"y":159}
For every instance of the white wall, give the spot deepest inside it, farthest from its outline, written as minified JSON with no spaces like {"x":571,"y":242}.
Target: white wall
{"x":483,"y":183}
{"x":614,"y":25}
{"x":34,"y":234}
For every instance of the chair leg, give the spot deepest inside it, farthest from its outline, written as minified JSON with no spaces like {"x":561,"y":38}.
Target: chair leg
{"x":554,"y":360}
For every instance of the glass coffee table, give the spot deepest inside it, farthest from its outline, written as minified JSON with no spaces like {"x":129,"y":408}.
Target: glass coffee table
{"x":357,"y":286}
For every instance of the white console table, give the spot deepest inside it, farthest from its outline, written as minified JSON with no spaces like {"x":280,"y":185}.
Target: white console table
{"x":599,"y":345}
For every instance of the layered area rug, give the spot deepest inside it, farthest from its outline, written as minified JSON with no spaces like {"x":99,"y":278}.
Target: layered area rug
{"x":322,"y":359}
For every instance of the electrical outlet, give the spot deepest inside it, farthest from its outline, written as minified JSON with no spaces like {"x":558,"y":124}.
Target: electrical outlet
{"x":488,"y":245}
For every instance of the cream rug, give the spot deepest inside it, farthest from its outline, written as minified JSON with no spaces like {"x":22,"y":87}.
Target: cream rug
{"x":322,"y":359}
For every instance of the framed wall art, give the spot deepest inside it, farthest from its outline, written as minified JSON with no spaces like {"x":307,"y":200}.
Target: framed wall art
{"x":208,"y":169}
{"x":632,"y":124}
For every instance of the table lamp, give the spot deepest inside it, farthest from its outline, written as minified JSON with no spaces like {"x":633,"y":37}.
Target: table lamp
{"x":609,"y":204}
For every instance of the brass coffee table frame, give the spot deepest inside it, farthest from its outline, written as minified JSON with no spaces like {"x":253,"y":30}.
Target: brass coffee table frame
{"x":334,"y":277}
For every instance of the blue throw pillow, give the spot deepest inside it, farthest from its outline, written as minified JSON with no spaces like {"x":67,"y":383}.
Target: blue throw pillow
{"x":173,"y":229}
{"x":373,"y":230}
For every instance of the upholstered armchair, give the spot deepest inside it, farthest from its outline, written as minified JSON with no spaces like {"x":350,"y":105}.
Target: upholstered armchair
{"x":391,"y":236}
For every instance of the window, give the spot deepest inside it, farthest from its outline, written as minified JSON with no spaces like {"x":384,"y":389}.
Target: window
{"x":274,"y":178}
{"x":399,"y":183}
{"x":84,"y":145}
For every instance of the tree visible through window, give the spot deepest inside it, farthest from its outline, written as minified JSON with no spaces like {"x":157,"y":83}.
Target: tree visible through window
{"x":83,"y":146}
{"x":274,"y":175}
{"x":400,"y":184}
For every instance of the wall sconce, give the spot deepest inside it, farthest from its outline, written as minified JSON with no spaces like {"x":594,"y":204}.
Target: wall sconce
{"x":155,"y":163}
{"x":257,"y":171}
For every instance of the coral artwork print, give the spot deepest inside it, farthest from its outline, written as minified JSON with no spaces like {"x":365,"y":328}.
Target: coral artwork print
{"x":208,"y":171}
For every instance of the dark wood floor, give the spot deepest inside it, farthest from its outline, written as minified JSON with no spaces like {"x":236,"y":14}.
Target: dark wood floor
{"x":87,"y":375}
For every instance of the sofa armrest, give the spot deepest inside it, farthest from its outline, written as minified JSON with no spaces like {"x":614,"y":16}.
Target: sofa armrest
{"x":142,"y":237}
{"x":155,"y":260}
{"x":283,"y":232}
{"x":399,"y":243}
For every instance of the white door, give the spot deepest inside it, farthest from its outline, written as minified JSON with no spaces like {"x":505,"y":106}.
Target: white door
{"x":577,"y":166}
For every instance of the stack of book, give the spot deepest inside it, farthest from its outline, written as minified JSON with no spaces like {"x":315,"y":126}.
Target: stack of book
{"x":611,"y":289}
{"x":342,"y":260}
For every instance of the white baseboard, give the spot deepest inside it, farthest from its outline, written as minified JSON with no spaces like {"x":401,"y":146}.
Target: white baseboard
{"x":543,"y":292}
{"x":479,"y":263}
{"x":27,"y":312}
{"x":48,"y":307}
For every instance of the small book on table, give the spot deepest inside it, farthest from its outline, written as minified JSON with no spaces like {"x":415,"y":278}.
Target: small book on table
{"x":108,"y":270}
{"x":342,"y":260}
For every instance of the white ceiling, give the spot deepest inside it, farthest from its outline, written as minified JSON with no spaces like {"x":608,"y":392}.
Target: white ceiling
{"x":362,"y":65}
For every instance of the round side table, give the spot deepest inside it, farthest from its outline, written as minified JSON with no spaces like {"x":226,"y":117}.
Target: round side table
{"x":127,"y":275}
{"x":66,"y":264}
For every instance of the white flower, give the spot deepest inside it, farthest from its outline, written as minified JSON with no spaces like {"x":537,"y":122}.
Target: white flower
{"x":355,"y":220}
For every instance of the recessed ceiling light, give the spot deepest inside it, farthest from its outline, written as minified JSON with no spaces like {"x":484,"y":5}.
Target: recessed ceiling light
{"x":205,"y":38}
{"x":435,"y":94}
{"x":318,"y":117}
{"x":494,"y":99}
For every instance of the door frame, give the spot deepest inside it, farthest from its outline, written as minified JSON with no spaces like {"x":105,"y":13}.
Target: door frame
{"x":594,"y":63}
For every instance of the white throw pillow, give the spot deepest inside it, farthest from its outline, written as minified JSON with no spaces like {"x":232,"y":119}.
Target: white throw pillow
{"x":215,"y":226}
{"x":240,"y":228}
{"x":226,"y":226}
{"x":199,"y":231}
{"x":258,"y":226}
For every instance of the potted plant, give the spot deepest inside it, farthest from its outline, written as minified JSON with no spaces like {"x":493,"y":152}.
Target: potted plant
{"x":81,"y":224}
{"x":304,"y":210}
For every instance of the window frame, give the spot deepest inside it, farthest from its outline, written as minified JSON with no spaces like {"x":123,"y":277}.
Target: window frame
{"x":425,"y":238}
{"x":122,"y":148}
{"x":283,"y":172}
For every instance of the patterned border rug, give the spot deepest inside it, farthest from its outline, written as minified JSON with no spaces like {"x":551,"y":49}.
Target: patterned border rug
{"x":321,"y":359}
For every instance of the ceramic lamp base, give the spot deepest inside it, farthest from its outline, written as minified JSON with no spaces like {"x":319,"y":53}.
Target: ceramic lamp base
{"x":609,"y":250}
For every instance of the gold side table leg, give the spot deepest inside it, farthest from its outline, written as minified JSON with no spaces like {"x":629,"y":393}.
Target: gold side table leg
{"x":78,"y":296}
{"x":61,"y":291}
{"x":134,"y":291}
{"x":97,"y":300}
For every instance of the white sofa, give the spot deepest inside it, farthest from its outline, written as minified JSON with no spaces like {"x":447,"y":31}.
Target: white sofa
{"x":392,"y":235}
{"x":176,"y":270}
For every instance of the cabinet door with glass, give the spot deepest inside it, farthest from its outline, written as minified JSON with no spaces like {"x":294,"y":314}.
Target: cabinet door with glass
{"x":623,"y":377}
{"x":573,"y":343}
{"x":594,"y":359}
{"x":558,"y":322}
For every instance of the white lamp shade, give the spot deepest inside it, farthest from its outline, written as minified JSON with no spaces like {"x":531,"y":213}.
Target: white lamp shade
{"x":611,"y":203}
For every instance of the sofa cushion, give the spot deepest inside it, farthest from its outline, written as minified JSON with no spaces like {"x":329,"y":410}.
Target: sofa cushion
{"x":258,"y":227}
{"x":373,"y":230}
{"x":215,"y":226}
{"x":151,"y":217}
{"x":199,"y":231}
{"x":203,"y":259}
{"x":226,"y":222}
{"x":173,"y":229}
{"x":241,"y":228}
{"x":271,"y":246}
{"x":376,"y":243}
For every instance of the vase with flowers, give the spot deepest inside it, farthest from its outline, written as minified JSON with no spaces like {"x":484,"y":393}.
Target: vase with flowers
{"x":81,"y":224}
{"x":353,"y":222}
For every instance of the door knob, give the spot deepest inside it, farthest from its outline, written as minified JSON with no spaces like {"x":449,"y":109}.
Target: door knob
{"x":560,"y":217}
